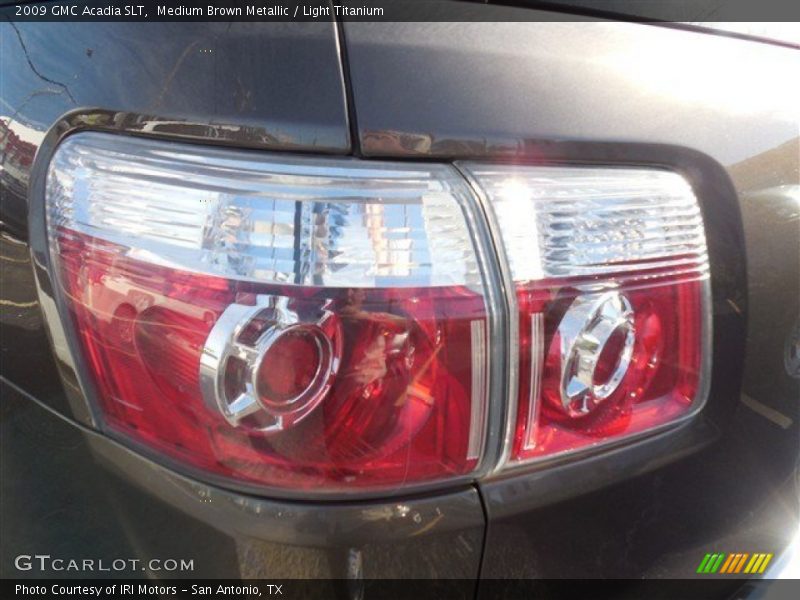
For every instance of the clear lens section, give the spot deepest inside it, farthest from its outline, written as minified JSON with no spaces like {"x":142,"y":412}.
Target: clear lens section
{"x":261,"y":217}
{"x":305,"y":324}
{"x":610,"y":271}
{"x":577,"y":222}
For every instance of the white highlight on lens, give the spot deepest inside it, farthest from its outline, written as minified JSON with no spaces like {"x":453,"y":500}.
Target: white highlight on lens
{"x":537,"y":366}
{"x":479,"y":388}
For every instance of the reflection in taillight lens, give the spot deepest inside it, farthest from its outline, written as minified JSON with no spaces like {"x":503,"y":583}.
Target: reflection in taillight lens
{"x":308,"y":337}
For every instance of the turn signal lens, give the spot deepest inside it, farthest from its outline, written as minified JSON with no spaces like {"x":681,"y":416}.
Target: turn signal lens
{"x":300,"y":323}
{"x":611,"y":277}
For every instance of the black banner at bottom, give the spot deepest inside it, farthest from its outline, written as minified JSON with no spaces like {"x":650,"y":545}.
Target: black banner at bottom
{"x":414,"y":589}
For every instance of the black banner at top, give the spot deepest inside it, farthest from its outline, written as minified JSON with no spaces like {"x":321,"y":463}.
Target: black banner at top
{"x":695,"y":11}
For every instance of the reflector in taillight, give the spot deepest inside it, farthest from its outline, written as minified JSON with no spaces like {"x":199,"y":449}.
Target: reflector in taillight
{"x":306,"y":323}
{"x":610,"y":274}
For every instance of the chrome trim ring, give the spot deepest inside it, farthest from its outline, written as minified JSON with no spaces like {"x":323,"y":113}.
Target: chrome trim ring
{"x":224,"y":343}
{"x":585,"y":331}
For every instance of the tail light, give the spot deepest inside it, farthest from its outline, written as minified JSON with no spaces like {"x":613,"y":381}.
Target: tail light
{"x":325,"y":324}
{"x":610,"y":274}
{"x":291,"y":322}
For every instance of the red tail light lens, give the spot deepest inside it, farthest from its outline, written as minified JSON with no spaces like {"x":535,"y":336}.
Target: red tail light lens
{"x":323,"y":324}
{"x":303,"y":325}
{"x":586,"y":387}
{"x":610,"y":272}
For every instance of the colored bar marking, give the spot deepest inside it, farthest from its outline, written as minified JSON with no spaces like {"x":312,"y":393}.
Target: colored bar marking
{"x":721,"y":562}
{"x":725,"y":567}
{"x":756,"y":566}
{"x":703,"y":563}
{"x":736,"y":562}
{"x":765,"y":563}
{"x":750,"y":564}
{"x":741,"y":562}
{"x":736,"y":557}
{"x":718,"y":562}
{"x":711,"y":562}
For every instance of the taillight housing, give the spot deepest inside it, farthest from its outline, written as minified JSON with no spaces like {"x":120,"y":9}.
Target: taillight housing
{"x":609,"y":272}
{"x":335,"y":326}
{"x":312,"y":324}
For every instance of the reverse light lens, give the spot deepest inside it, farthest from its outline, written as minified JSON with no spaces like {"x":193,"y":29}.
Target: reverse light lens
{"x":611,"y":276}
{"x":301,"y":323}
